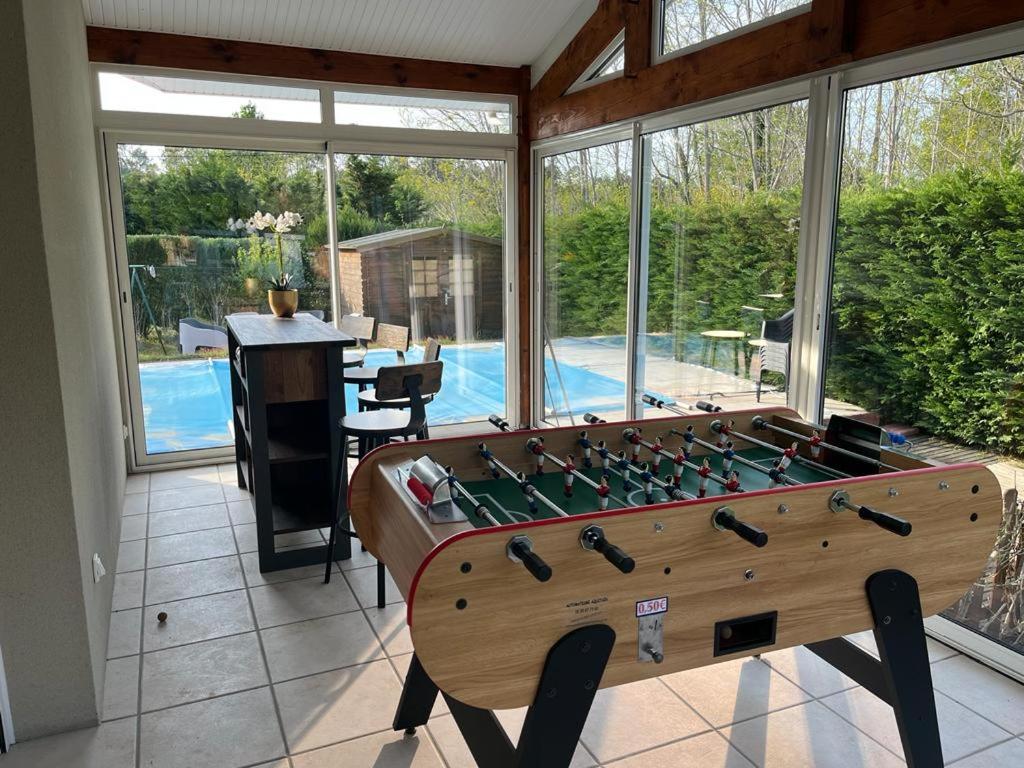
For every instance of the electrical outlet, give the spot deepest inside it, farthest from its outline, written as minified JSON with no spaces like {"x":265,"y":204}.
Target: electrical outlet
{"x":98,"y":571}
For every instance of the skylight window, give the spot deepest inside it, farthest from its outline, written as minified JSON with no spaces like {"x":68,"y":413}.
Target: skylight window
{"x":685,"y":23}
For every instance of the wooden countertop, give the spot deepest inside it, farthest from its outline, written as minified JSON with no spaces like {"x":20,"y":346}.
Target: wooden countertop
{"x":269,"y":332}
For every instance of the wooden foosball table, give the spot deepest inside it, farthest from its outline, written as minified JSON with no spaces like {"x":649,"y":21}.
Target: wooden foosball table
{"x":601,"y":555}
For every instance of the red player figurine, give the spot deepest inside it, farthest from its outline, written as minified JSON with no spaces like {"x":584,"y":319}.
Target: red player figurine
{"x":788,"y":456}
{"x":732,"y":485}
{"x":815,"y":442}
{"x":634,"y":440}
{"x":773,"y":476}
{"x":603,"y":490}
{"x":536,"y":446}
{"x":724,"y":430}
{"x":703,"y":472}
{"x":678,"y":464}
{"x":657,"y":448}
{"x":567,"y":473}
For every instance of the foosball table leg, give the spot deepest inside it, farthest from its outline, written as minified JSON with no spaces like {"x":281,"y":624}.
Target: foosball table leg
{"x":902,"y":675}
{"x":418,"y":696}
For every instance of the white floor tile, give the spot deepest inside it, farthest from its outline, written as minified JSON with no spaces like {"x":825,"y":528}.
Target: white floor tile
{"x":390,"y":625}
{"x":195,"y":619}
{"x":182,"y":478}
{"x":936,"y":650}
{"x":983,"y":690}
{"x":121,"y":688}
{"x":187,"y":547}
{"x":245,"y":535}
{"x":125,"y":633}
{"x":292,"y":601}
{"x":127,"y":590}
{"x":810,"y":672}
{"x":133,"y":528}
{"x":453,"y":747}
{"x":179,"y":498}
{"x":364,"y":584}
{"x":135,"y":504}
{"x":340,"y":705}
{"x":359,"y":559}
{"x":735,"y":690}
{"x":199,"y":671}
{"x":188,"y":519}
{"x":251,"y":566}
{"x":319,"y":645}
{"x":233,"y":493}
{"x":704,"y":751}
{"x":1009,"y":753}
{"x":110,"y":745}
{"x":808,"y":735}
{"x":131,"y":556}
{"x":962,"y":731}
{"x":613,"y":729}
{"x":137,"y":483}
{"x":203,"y":577}
{"x":232,"y":731}
{"x":241,"y":512}
{"x":382,"y":750}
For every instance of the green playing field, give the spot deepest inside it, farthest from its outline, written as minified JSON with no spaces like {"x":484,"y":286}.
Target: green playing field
{"x":504,"y":499}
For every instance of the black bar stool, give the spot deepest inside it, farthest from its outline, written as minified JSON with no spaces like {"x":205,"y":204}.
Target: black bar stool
{"x":368,"y":400}
{"x":361,"y":329}
{"x":376,"y":428}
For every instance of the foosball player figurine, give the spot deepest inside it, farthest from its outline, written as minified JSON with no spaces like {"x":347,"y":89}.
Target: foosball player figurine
{"x":787,"y":456}
{"x":728,"y":454}
{"x":586,"y":445}
{"x":646,"y":478}
{"x":657,"y":448}
{"x":703,"y":473}
{"x":527,"y":489}
{"x":688,"y":438}
{"x":603,"y":491}
{"x":489,"y":458}
{"x":732,"y":485}
{"x":452,"y":487}
{"x":815,"y":445}
{"x":723,"y":433}
{"x":567,"y":475}
{"x":623,"y":466}
{"x":678,"y":465}
{"x":774,"y":474}
{"x":536,"y":445}
{"x":634,"y":440}
{"x":605,"y":454}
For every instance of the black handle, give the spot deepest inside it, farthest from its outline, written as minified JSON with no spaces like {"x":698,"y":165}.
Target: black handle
{"x":592,"y":419}
{"x":499,"y":422}
{"x":704,"y":405}
{"x":745,"y":531}
{"x":540,"y":570}
{"x":651,"y":400}
{"x":891,"y":523}
{"x":615,"y":556}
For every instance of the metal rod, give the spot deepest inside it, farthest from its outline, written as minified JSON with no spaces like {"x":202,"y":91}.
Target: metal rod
{"x":700,"y":405}
{"x":759,"y":422}
{"x":535,"y":494}
{"x":739,"y":459}
{"x":798,"y":458}
{"x":717,"y":478}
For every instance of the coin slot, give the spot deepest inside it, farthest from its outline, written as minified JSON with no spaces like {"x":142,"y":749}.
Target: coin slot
{"x":742,"y":634}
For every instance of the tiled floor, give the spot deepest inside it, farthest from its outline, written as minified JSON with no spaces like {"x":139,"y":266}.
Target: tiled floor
{"x":280,"y":671}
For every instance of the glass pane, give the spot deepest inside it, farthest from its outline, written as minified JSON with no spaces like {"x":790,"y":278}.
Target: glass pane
{"x":926,"y":332}
{"x":586,"y":257}
{"x":616,"y":62}
{"x":208,"y":98}
{"x":422,"y":245}
{"x":192,"y":260}
{"x":721,"y":224}
{"x":688,"y":22}
{"x":396,"y":111}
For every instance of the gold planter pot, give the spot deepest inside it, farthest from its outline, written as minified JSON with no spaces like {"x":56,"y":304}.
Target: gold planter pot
{"x":283,"y":303}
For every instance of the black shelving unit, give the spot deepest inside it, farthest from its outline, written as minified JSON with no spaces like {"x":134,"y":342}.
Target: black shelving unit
{"x":288,"y":397}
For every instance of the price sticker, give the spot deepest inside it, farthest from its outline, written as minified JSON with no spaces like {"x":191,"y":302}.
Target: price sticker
{"x":653,"y":606}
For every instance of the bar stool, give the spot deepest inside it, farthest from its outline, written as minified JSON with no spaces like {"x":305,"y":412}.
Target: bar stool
{"x":361,"y":329}
{"x":368,"y":400}
{"x":396,"y":337}
{"x":376,"y":428}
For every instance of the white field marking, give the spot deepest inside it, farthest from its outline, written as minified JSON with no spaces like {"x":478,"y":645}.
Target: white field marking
{"x":509,"y":513}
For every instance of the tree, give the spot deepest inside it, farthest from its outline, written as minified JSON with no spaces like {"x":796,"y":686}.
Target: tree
{"x":248,"y":111}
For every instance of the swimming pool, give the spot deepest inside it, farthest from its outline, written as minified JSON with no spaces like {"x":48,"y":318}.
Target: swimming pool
{"x":186,"y":404}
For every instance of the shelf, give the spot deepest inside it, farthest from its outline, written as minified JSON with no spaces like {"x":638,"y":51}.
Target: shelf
{"x":301,"y":514}
{"x":240,"y":415}
{"x":292,"y":445}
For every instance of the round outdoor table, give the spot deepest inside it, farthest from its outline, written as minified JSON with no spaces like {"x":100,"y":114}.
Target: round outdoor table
{"x":709,"y":348}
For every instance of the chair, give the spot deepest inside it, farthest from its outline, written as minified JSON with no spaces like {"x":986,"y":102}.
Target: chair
{"x":368,"y":398}
{"x":376,"y":428}
{"x":193,"y":333}
{"x":361,"y":329}
{"x":315,"y":313}
{"x":396,"y":337}
{"x":776,"y":336}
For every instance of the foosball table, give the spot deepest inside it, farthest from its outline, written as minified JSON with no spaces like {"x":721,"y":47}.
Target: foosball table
{"x":592,"y":556}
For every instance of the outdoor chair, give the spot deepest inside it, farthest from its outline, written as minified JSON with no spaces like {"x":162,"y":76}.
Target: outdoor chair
{"x":396,"y":337}
{"x":193,"y":334}
{"x":776,"y":336}
{"x":361,"y":329}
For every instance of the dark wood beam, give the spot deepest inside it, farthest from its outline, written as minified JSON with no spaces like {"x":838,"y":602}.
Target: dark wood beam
{"x":639,"y":26}
{"x":794,"y":47}
{"x":594,"y":36}
{"x":157,"y":49}
{"x":524,"y":263}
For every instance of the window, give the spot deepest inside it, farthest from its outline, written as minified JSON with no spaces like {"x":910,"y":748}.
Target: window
{"x":424,"y":278}
{"x":718,"y":256}
{"x":688,"y":22}
{"x":207,"y":98}
{"x":926,"y":328}
{"x":615,"y":62}
{"x":586,"y":258}
{"x":389,"y":110}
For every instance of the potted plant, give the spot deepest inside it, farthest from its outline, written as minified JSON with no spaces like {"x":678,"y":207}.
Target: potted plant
{"x":283,"y":299}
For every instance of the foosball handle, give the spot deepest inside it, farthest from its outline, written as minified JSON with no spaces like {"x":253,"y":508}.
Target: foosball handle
{"x":652,"y":400}
{"x":891,"y":523}
{"x":704,"y":405}
{"x":592,"y":419}
{"x":725,"y":520}
{"x":498,"y":422}
{"x":615,"y":556}
{"x":520,"y":548}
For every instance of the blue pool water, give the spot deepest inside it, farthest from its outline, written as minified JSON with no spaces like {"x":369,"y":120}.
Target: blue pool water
{"x":187,"y":404}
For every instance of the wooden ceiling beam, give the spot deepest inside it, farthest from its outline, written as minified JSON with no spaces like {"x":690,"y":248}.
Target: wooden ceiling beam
{"x":833,"y":34}
{"x":158,"y":49}
{"x":639,"y":35}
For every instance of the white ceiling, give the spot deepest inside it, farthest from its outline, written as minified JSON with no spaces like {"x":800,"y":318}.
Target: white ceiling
{"x":506,"y":32}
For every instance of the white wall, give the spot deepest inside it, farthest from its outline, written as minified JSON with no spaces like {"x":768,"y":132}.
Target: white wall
{"x":61,"y":446}
{"x":562,"y":38}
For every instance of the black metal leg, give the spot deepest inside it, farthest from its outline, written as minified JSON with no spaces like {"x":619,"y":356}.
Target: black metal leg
{"x":418,"y":696}
{"x":903,"y":652}
{"x":381,"y":596}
